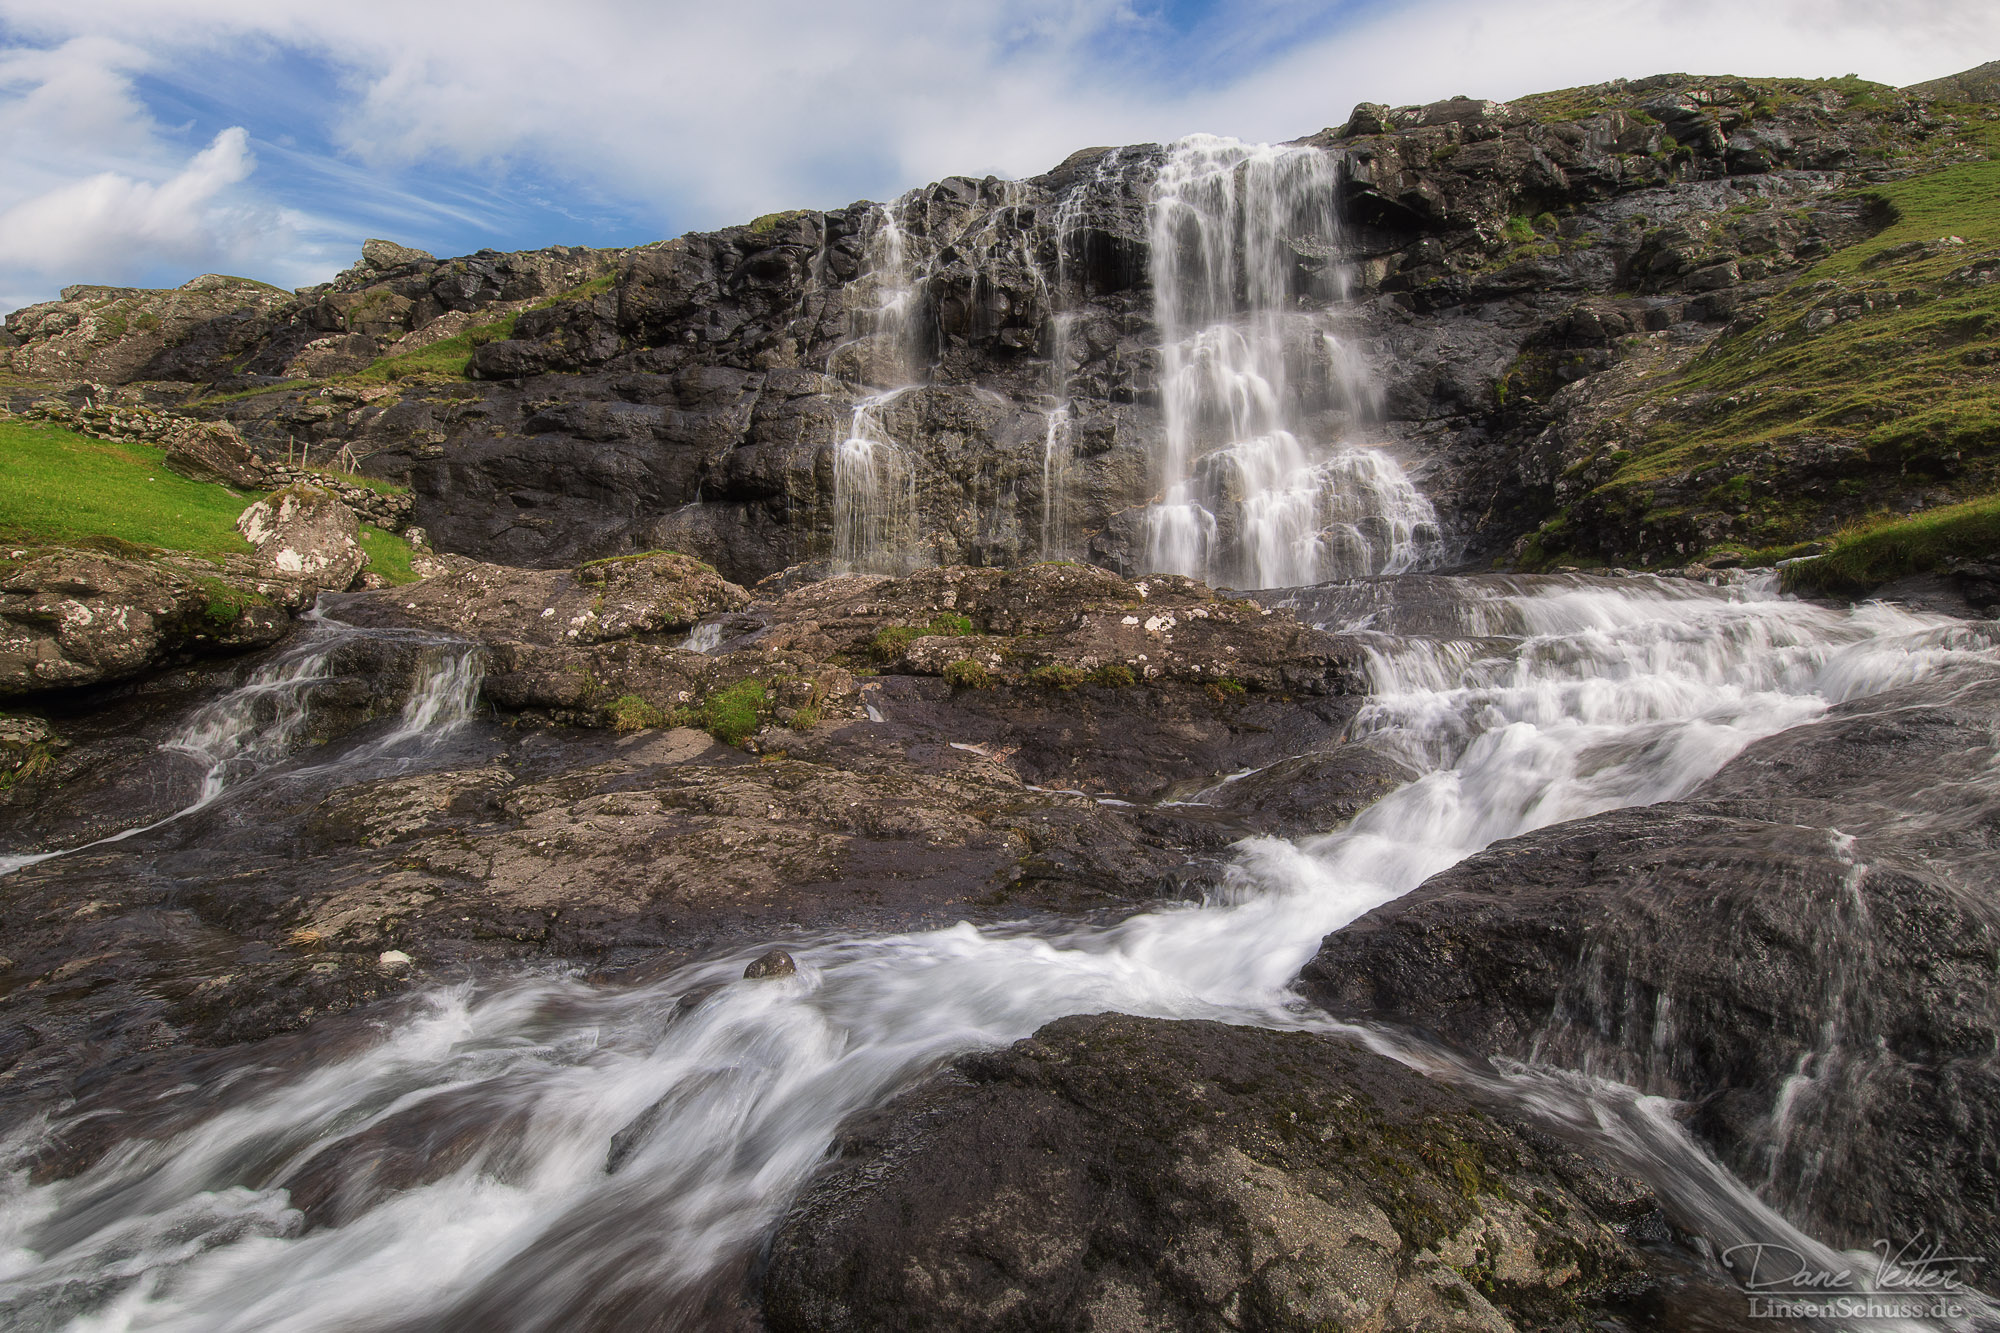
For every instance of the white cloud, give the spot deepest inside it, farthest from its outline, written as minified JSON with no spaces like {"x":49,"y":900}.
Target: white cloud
{"x":693,"y":113}
{"x":93,"y":223}
{"x":1526,"y":46}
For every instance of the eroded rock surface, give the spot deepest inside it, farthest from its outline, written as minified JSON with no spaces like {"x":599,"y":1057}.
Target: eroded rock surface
{"x":72,"y":617}
{"x":1137,"y":1174}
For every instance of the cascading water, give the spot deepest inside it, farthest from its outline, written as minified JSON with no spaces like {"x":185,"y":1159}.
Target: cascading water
{"x":1520,"y":704}
{"x":874,"y":478}
{"x":874,"y":495}
{"x":1058,"y":455}
{"x":1245,"y":250}
{"x":254,"y":726}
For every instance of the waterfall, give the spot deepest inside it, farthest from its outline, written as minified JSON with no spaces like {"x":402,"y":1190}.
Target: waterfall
{"x":1058,"y":454}
{"x":874,"y":477}
{"x":1521,"y":703}
{"x":874,"y":495}
{"x":1245,"y":250}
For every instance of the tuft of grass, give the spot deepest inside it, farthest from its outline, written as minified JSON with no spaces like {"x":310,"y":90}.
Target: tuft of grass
{"x":730,"y":715}
{"x":226,"y":604}
{"x":629,"y":712}
{"x":1056,"y":676}
{"x":950,"y":623}
{"x":966,"y":674}
{"x":388,"y":555}
{"x":1114,"y":674}
{"x":58,"y":486}
{"x":1223,"y":690}
{"x":380,"y":485}
{"x":890,"y":641}
{"x":1871,"y":554}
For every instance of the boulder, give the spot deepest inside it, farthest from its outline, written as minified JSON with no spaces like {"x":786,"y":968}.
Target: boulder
{"x":213,"y":451}
{"x":770,"y":966}
{"x":305,"y":534}
{"x":1127,"y":1173}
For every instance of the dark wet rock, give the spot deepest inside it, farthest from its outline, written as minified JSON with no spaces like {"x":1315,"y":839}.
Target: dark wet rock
{"x":1116,"y":1172}
{"x":776,"y":963}
{"x":436,"y":1138}
{"x":76,"y":617}
{"x":1805,"y":949}
{"x":1309,"y":793}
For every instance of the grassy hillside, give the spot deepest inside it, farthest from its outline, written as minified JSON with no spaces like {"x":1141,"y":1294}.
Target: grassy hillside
{"x":57,"y":486}
{"x":1872,"y":554}
{"x":1867,"y":389}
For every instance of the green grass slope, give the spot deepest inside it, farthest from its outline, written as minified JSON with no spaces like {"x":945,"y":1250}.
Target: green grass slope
{"x":1868,"y":388}
{"x":58,"y":487}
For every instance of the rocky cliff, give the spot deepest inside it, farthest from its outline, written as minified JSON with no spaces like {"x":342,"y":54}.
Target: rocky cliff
{"x":1585,"y":315}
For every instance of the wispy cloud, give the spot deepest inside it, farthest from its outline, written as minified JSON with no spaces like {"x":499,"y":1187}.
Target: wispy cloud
{"x":454,"y":124}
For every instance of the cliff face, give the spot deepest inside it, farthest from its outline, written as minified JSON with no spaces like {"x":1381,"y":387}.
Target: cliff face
{"x":1514,"y":289}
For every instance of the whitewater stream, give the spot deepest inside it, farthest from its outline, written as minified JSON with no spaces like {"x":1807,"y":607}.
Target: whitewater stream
{"x":1520,"y":703}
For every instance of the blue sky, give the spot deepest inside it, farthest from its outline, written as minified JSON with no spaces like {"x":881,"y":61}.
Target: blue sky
{"x":146,"y":141}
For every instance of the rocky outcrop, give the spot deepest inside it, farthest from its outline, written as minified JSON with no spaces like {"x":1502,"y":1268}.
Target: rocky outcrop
{"x":1127,"y":1173}
{"x":627,"y":597}
{"x":120,"y":334}
{"x":1806,"y":949}
{"x":71,"y":617}
{"x":215,"y":330}
{"x":303,"y":533}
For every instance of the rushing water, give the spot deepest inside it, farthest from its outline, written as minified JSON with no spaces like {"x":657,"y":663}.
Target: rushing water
{"x":1519,"y":703}
{"x":1246,"y":252}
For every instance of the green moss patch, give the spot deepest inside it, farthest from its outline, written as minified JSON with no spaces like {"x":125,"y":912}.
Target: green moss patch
{"x":890,"y":641}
